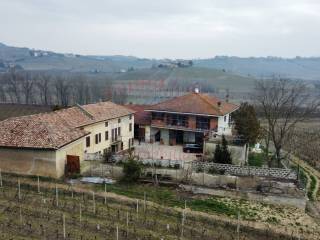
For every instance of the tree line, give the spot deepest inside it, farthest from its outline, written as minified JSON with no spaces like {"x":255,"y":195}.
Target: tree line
{"x":49,"y":88}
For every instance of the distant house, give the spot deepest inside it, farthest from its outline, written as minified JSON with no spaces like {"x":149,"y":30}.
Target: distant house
{"x":186,"y":119}
{"x":43,"y":144}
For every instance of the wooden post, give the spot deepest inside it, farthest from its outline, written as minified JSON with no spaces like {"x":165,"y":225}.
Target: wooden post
{"x":238,"y":226}
{"x":144,"y":201}
{"x":185,"y":204}
{"x":105,"y":193}
{"x":182,"y":222}
{"x":19,"y":190}
{"x":38,"y":180}
{"x":20,"y":211}
{"x":64,"y":226}
{"x":137,"y":208}
{"x":127,"y":223}
{"x":117,"y":232}
{"x":57,"y":196}
{"x":94,"y":203}
{"x":80,"y":211}
{"x":1,"y":184}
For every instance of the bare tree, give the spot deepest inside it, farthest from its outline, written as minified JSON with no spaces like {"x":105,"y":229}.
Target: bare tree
{"x":3,"y":96}
{"x":43,"y":85}
{"x":81,"y":90}
{"x":13,"y":84}
{"x":62,"y":88}
{"x":27,"y":84}
{"x":284,"y":103}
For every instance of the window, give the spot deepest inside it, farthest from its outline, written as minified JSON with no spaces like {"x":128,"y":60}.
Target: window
{"x":119,"y":131}
{"x":157,"y":116}
{"x":114,"y":136}
{"x":106,"y":136}
{"x":88,"y":141}
{"x":130,"y":127}
{"x":119,"y":120}
{"x":106,"y":124}
{"x":121,"y":146}
{"x":130,"y":116}
{"x":98,"y":138}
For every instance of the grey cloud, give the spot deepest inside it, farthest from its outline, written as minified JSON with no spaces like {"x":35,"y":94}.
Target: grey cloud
{"x":164,"y":28}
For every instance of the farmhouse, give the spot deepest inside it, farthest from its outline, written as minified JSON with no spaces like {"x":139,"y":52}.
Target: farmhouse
{"x":187,"y":119}
{"x":43,"y":144}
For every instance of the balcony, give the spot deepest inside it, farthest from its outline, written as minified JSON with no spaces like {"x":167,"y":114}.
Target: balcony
{"x":180,"y":125}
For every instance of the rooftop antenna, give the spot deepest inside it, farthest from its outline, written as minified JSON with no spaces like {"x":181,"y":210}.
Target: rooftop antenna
{"x":227,"y":95}
{"x":196,"y":88}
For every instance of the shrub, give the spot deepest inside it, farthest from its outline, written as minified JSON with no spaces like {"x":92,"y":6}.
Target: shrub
{"x":222,"y":153}
{"x":132,"y":170}
{"x":255,"y":159}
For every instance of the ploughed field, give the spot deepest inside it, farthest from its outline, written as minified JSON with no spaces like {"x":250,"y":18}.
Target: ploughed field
{"x":66,"y":213}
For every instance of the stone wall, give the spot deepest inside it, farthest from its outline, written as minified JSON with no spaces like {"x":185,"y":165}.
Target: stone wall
{"x":282,"y":173}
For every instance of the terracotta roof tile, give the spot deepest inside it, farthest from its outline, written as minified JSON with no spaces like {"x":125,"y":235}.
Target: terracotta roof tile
{"x":141,"y":117}
{"x":38,"y":131}
{"x":55,"y":129}
{"x":195,"y":103}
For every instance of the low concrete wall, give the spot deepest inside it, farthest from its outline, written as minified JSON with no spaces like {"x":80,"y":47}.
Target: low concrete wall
{"x":29,"y":162}
{"x":298,"y":202}
{"x":284,"y":173}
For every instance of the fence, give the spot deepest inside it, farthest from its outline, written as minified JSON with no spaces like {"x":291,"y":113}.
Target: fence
{"x":164,"y":162}
{"x":93,"y":157}
{"x":283,"y":173}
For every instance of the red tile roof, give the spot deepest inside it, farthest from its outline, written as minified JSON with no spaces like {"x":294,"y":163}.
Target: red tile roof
{"x":46,"y":130}
{"x":141,"y":117}
{"x":56,"y":129}
{"x":92,"y":113}
{"x":195,"y":103}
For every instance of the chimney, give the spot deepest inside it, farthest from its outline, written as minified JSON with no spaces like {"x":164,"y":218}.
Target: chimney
{"x":219,"y":105}
{"x":227,"y":98}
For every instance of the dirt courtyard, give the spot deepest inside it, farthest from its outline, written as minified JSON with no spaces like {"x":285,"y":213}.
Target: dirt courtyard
{"x":158,"y":151}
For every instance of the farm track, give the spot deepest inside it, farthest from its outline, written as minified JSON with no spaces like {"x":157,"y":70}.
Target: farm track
{"x":41,"y":218}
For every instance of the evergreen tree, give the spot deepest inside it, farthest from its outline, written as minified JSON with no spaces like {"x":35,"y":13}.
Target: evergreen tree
{"x":225,"y":153}
{"x":217,"y":154}
{"x":222,"y":153}
{"x":247,"y":123}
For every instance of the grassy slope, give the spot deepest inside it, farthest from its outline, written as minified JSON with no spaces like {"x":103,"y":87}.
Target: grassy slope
{"x":216,"y":78}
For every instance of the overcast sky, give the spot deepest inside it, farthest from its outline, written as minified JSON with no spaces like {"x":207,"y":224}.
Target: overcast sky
{"x":164,"y":28}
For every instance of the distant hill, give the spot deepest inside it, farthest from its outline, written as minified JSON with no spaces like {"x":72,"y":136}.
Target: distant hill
{"x":299,"y":68}
{"x":264,"y":67}
{"x":208,"y":79}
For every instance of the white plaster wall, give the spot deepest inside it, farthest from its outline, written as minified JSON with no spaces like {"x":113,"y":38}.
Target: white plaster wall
{"x":75,"y":148}
{"x":223,"y":126}
{"x":101,"y":128}
{"x":147,"y":133}
{"x":165,"y":136}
